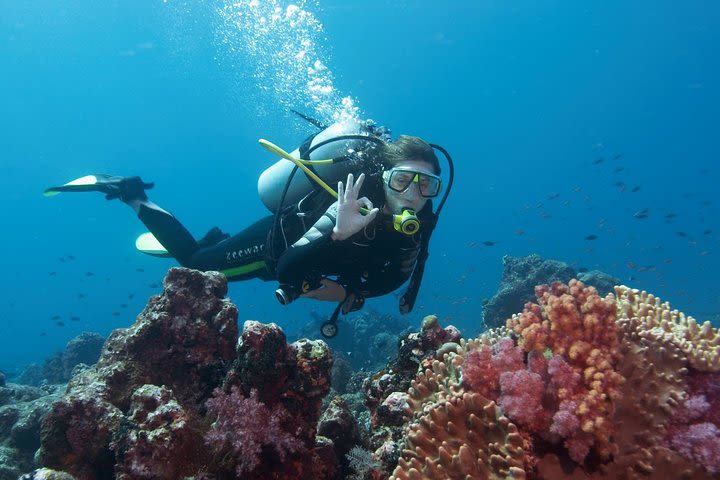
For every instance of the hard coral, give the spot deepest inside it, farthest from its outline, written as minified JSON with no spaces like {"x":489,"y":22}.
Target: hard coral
{"x":654,"y":318}
{"x":466,"y":436}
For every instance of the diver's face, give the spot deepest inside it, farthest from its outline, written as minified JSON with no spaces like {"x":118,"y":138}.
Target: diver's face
{"x":396,"y":202}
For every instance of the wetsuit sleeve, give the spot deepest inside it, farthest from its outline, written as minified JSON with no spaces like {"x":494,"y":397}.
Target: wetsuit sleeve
{"x":313,"y":254}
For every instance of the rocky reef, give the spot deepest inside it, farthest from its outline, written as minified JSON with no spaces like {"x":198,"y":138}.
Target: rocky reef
{"x":576,"y":385}
{"x":520,"y":275}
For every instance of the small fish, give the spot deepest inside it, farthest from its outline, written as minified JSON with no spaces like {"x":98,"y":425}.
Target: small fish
{"x":635,"y":189}
{"x":598,"y":161}
{"x":55,"y":317}
{"x":43,"y":334}
{"x":60,"y":324}
{"x":670,"y":216}
{"x":519,"y":232}
{"x":591,"y":237}
{"x":489,"y":243}
{"x":71,"y":257}
{"x":52,"y":274}
{"x":123,"y":305}
{"x":130,"y":296}
{"x":81,"y":295}
{"x":618,"y":169}
{"x":115,"y":314}
{"x":471,"y":244}
{"x":682,"y":234}
{"x":644,"y":213}
{"x":617,"y":157}
{"x":140,"y":270}
{"x":553,"y":196}
{"x":89,"y":274}
{"x":707,"y":232}
{"x":154,"y":285}
{"x":75,"y":318}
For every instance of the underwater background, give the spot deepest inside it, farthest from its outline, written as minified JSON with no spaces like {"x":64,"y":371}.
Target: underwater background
{"x":583,"y":132}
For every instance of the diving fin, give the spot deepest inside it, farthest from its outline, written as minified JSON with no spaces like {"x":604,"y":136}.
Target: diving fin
{"x":113,"y":186}
{"x":147,"y":243}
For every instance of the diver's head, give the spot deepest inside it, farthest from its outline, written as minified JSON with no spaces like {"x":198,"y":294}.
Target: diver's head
{"x":411,"y":174}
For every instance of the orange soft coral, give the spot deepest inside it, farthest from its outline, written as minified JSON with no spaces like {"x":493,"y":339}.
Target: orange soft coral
{"x":575,"y":323}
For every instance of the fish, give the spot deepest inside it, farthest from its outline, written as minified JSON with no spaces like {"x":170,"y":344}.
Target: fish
{"x":139,"y":269}
{"x":55,"y":317}
{"x":591,"y":237}
{"x":635,"y":189}
{"x":489,"y":243}
{"x":89,"y":274}
{"x":60,"y":324}
{"x":598,"y":161}
{"x":618,"y":169}
{"x":582,"y":270}
{"x":617,"y":157}
{"x":644,"y":213}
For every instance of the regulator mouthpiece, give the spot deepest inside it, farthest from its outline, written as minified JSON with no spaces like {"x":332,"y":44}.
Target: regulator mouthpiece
{"x":407,"y":222}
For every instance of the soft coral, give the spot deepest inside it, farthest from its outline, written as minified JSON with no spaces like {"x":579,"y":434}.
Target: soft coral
{"x":245,"y":424}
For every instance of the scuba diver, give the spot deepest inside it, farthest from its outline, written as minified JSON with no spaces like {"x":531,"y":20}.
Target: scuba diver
{"x":365,"y":240}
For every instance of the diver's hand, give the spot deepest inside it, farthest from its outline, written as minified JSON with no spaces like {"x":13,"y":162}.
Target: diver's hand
{"x":349,"y":219}
{"x":329,"y":292}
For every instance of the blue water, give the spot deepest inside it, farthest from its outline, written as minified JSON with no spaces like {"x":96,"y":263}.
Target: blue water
{"x":527,"y":96}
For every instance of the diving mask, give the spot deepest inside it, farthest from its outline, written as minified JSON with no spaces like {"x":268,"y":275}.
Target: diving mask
{"x":399,"y":180}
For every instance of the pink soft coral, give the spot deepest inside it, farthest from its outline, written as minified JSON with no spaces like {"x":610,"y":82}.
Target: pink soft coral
{"x":521,"y":399}
{"x":245,"y":425}
{"x":701,"y":443}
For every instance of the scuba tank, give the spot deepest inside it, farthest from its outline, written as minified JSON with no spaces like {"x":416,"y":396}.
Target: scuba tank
{"x":343,"y":142}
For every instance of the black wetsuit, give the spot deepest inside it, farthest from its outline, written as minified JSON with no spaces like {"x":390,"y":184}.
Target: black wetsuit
{"x":373,"y":262}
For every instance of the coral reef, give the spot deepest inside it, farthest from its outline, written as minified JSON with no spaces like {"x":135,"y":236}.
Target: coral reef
{"x":80,"y":351}
{"x":585,"y":387}
{"x":180,"y":394}
{"x":576,"y":385}
{"x":520,"y":276}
